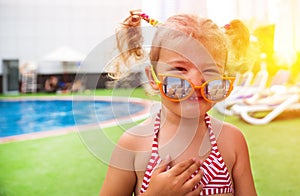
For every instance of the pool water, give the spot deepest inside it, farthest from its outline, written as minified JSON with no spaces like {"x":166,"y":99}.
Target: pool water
{"x":20,"y":117}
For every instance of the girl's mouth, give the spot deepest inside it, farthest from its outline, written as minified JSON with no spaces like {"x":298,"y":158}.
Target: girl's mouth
{"x":194,"y":98}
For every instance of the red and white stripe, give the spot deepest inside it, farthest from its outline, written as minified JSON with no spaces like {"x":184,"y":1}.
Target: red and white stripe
{"x":216,"y":178}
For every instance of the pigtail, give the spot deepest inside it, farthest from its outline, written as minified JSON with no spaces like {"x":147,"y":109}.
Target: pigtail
{"x":239,"y":38}
{"x":129,"y":37}
{"x":130,"y":40}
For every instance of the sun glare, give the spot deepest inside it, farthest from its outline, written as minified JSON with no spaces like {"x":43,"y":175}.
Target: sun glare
{"x":284,"y":36}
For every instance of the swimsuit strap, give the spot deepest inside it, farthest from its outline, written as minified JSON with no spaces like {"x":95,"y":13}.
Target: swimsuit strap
{"x":154,"y":159}
{"x":156,"y":132}
{"x":212,"y":136}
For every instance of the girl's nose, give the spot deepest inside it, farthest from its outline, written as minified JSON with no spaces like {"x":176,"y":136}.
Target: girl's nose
{"x":196,"y":78}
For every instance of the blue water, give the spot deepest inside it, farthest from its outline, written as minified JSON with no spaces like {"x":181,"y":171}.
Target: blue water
{"x":19,"y":117}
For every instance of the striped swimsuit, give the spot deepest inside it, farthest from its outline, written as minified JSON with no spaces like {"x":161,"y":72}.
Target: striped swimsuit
{"x":216,"y":178}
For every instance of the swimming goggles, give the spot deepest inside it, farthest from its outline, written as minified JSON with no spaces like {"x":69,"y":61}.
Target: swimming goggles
{"x":177,"y":88}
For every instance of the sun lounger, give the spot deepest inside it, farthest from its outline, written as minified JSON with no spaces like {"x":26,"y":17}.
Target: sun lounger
{"x":243,"y":90}
{"x":277,"y":86}
{"x":243,"y":79}
{"x":249,"y":94}
{"x":273,"y":109}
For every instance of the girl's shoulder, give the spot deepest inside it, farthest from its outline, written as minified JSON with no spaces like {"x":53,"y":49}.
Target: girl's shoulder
{"x":139,"y":137}
{"x":134,"y":143}
{"x":224,"y":128}
{"x":230,"y":140}
{"x":228,"y":135}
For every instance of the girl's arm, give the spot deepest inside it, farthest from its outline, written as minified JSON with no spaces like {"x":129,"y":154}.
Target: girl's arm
{"x":118,"y":182}
{"x":242,"y":175}
{"x":120,"y":177}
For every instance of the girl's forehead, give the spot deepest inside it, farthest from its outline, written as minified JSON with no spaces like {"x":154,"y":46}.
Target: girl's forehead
{"x":189,"y":59}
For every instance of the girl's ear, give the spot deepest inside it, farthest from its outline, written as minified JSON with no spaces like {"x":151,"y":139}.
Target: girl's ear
{"x":150,"y":78}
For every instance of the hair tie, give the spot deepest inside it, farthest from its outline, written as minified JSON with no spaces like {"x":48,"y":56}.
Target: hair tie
{"x":227,"y":26}
{"x":151,"y":21}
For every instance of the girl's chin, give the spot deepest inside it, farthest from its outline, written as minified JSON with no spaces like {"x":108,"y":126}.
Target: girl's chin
{"x":193,"y":110}
{"x":188,"y":108}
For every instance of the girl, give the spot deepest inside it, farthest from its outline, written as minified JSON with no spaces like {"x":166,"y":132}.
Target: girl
{"x":181,"y":150}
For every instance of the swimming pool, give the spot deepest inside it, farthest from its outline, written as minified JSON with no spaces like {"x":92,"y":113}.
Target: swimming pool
{"x":30,"y":116}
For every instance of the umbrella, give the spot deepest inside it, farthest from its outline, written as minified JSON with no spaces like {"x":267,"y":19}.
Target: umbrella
{"x":64,"y":54}
{"x":67,"y":56}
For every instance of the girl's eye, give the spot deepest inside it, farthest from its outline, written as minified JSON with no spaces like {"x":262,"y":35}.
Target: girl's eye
{"x":181,"y":69}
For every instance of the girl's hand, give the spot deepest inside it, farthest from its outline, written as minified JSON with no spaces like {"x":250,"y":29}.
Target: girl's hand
{"x":176,"y":181}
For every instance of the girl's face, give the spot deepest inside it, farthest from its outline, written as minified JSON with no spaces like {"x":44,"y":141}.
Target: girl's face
{"x":197,"y":69}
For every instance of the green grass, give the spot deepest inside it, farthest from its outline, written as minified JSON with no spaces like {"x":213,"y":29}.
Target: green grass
{"x":274,"y":156}
{"x":63,"y":165}
{"x":52,"y":166}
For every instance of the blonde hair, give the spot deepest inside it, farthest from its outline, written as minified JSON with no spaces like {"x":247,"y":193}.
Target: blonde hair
{"x":129,"y":44}
{"x":239,"y":36}
{"x":239,"y":57}
{"x":201,"y":29}
{"x":130,"y":39}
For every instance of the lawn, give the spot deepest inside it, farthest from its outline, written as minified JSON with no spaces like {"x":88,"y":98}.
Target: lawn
{"x":63,"y":165}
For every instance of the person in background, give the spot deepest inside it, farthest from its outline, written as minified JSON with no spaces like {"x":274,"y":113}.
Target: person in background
{"x":51,"y":84}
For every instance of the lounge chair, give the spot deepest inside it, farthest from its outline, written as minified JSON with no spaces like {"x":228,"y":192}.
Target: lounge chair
{"x":250,"y":94}
{"x":243,"y":79}
{"x":243,"y":90}
{"x":278,"y":85}
{"x":272,"y":106}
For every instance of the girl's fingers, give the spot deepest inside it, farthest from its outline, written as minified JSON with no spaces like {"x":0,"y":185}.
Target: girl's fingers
{"x":196,"y":191}
{"x":194,"y":182}
{"x":163,"y":165}
{"x":191,"y":170}
{"x":181,"y":167}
